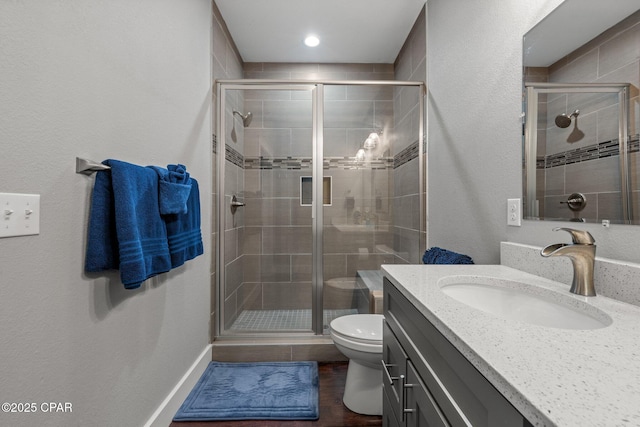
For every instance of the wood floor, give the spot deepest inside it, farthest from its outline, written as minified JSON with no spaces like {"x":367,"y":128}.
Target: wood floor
{"x":333,"y":413}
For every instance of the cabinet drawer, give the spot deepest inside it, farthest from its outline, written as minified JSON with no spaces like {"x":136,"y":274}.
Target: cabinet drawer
{"x":388,"y":413}
{"x":422,"y":410}
{"x":465,"y":396}
{"x":394,"y":369}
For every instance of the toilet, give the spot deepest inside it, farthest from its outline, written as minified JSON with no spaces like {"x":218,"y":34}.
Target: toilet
{"x":359,"y":337}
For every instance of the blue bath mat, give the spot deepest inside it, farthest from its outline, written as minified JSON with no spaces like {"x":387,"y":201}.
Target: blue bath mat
{"x":253,"y":391}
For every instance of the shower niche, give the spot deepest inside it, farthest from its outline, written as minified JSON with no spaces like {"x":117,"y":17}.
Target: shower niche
{"x":322,"y":209}
{"x":306,"y":191}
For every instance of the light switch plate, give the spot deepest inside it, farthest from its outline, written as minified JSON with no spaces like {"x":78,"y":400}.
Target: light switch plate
{"x":19,"y":214}
{"x":514,"y":212}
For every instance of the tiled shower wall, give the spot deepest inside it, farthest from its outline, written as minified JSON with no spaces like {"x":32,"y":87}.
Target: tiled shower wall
{"x":408,"y":239}
{"x":590,"y":165}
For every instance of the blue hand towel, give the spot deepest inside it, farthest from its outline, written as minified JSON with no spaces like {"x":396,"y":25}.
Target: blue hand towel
{"x":438,"y":255}
{"x":126,"y":230}
{"x":183,"y":230}
{"x":174,"y":188}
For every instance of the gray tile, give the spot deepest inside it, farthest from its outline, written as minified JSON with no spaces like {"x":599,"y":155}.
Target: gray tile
{"x":287,"y":114}
{"x":301,"y":268}
{"x":267,"y":142}
{"x":334,"y":266}
{"x":621,"y":50}
{"x":349,"y":114}
{"x":234,"y":275}
{"x":594,"y":176}
{"x":583,"y":69}
{"x":267,"y":268}
{"x":251,"y":242}
{"x":230,"y":245}
{"x":365,"y":93}
{"x":249,"y":296}
{"x":287,"y":240}
{"x":554,"y":181}
{"x":267,"y":212}
{"x":609,"y":206}
{"x":283,"y":296}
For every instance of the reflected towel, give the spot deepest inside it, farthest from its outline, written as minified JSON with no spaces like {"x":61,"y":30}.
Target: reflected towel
{"x":126,"y":231}
{"x":438,"y":255}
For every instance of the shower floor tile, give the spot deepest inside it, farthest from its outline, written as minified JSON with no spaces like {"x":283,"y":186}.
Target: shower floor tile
{"x":251,"y":320}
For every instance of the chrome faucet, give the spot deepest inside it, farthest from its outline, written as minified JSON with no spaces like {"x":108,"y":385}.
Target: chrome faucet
{"x":582,"y":253}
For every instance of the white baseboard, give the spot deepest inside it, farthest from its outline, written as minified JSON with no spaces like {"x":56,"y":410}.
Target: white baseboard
{"x":163,"y":416}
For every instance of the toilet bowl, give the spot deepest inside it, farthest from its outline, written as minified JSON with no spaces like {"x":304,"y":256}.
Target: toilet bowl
{"x":359,"y":337}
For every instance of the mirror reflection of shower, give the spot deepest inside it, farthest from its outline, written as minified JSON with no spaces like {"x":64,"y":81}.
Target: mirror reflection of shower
{"x":373,"y":144}
{"x":564,"y":121}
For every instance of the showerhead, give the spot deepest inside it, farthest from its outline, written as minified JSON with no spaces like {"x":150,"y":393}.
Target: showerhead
{"x":563,"y":121}
{"x":246,"y":118}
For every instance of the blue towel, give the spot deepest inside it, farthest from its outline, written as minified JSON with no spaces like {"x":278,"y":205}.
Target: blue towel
{"x":183,"y":230}
{"x":174,"y":188}
{"x":437,"y":255}
{"x":126,"y":231}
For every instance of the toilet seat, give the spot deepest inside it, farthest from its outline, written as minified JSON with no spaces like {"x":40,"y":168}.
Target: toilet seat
{"x":359,"y":331}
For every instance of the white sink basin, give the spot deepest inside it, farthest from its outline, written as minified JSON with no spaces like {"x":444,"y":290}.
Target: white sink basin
{"x":525,"y":303}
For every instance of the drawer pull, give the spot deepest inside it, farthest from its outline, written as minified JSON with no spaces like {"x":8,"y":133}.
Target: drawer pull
{"x":386,"y":367}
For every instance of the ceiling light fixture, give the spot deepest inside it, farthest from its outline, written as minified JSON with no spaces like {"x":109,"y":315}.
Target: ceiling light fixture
{"x":312,"y":41}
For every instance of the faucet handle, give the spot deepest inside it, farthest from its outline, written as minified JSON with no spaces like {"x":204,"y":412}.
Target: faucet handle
{"x":579,"y":237}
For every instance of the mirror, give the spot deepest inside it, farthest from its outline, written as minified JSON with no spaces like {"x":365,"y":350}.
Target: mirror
{"x":582,"y":113}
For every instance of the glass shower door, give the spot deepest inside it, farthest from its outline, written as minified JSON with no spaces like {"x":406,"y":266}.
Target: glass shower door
{"x":370,"y":136}
{"x":266,"y":259}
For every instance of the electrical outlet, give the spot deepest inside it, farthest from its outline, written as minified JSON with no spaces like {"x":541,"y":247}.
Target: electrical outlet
{"x":514,"y":212}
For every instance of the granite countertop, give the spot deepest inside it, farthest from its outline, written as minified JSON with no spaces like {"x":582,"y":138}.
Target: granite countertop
{"x":554,"y":377}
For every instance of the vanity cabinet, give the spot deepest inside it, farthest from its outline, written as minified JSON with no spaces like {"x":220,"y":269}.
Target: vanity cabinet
{"x":427,"y":381}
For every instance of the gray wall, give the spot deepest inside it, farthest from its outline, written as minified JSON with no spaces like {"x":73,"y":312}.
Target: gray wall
{"x":100,"y":79}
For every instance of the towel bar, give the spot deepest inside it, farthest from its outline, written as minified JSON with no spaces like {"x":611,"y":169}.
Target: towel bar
{"x":88,"y":167}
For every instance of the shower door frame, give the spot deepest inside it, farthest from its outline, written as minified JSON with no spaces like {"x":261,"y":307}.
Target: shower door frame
{"x":317,"y":101}
{"x":531,"y":137}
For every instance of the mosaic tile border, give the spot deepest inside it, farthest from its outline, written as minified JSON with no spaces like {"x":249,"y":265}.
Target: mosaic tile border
{"x":233,"y":156}
{"x":305,"y":163}
{"x":590,"y":152}
{"x":406,"y":155}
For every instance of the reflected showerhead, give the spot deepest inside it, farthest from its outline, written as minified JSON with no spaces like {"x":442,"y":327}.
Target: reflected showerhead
{"x":246,"y":118}
{"x":563,"y":121}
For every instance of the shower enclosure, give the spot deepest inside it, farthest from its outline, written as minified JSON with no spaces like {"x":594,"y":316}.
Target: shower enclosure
{"x":318,"y":184}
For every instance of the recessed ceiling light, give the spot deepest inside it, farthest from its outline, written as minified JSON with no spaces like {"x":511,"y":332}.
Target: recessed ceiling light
{"x":312,"y":41}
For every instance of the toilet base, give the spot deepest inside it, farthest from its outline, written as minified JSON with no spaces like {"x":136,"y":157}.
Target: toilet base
{"x":363,"y":389}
